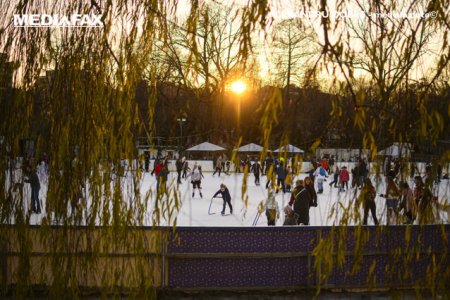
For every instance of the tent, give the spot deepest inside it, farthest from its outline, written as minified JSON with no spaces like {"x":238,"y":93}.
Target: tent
{"x":397,"y":149}
{"x":206,"y":147}
{"x":250,"y":148}
{"x":289,"y":149}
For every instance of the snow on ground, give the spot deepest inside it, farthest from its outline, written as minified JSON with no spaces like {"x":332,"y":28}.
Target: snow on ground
{"x":194,"y":210}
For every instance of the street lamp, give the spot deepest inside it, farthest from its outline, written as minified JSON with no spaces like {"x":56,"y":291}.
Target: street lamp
{"x":238,"y":87}
{"x":180,"y":142}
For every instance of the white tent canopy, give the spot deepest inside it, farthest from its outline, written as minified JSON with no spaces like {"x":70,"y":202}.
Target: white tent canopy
{"x":250,"y":148}
{"x":206,"y":147}
{"x":397,"y":149}
{"x":289,"y":149}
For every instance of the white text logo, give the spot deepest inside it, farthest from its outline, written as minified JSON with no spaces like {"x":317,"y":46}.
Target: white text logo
{"x":45,"y":20}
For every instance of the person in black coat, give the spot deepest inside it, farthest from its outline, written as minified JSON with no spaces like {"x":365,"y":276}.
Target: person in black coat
{"x":225,"y":196}
{"x":301,"y":203}
{"x":281,"y":177}
{"x":335,"y":177}
{"x":179,"y":166}
{"x":33,"y":180}
{"x":256,"y":168}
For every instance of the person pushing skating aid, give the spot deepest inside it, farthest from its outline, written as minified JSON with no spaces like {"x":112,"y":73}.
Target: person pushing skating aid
{"x":225,"y":196}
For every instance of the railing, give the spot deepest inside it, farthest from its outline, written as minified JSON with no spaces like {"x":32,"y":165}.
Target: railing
{"x":283,"y":257}
{"x":232,"y":258}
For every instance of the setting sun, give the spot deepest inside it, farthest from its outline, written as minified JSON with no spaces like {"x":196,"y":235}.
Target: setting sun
{"x":238,"y":87}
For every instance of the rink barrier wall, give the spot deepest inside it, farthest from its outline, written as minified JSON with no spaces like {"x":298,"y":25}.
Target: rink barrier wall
{"x":95,"y":258}
{"x":282,"y":257}
{"x":230,"y":258}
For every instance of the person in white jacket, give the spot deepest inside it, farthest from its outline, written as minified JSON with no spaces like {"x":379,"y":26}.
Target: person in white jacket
{"x":196,"y":179}
{"x":320,"y":173}
{"x":272,"y":210}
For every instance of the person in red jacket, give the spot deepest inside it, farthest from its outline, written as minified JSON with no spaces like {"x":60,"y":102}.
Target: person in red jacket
{"x":324,"y":164}
{"x":158,"y":168}
{"x":344,"y":177}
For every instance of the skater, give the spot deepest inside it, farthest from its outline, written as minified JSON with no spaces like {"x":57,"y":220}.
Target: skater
{"x":179,"y":166}
{"x":186,"y":168}
{"x":270,"y":175}
{"x":226,"y":198}
{"x":196,"y":179}
{"x":228,"y":164}
{"x":425,"y":202}
{"x":157,"y":168}
{"x":147,"y":161}
{"x":362,"y":172}
{"x":256,"y":168}
{"x":324,"y":164}
{"x":272,"y":210}
{"x":288,"y":180}
{"x":301,"y":200}
{"x":335,"y":177}
{"x":33,"y":180}
{"x":218,"y":165}
{"x":155,"y":164}
{"x":392,"y":196}
{"x":407,"y":203}
{"x":267,"y":164}
{"x":161,"y":177}
{"x":367,"y":198}
{"x":320,"y":174}
{"x":331,"y":163}
{"x":344,"y":178}
{"x":281,"y":176}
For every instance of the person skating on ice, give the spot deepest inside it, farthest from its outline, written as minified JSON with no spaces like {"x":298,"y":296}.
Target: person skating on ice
{"x":179,"y":166}
{"x":218,"y":165}
{"x":33,"y":179}
{"x":196,"y":179}
{"x":320,"y":174}
{"x":225,"y":196}
{"x":256,"y":168}
{"x":272,"y":210}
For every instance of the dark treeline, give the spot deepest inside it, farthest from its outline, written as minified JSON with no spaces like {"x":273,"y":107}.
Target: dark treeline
{"x":301,"y":118}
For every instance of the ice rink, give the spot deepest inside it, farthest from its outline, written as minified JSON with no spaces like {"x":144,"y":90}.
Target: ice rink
{"x":196,"y":211}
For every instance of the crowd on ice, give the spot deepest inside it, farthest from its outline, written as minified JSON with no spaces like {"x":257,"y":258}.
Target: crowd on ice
{"x":410,"y":197}
{"x":405,"y":204}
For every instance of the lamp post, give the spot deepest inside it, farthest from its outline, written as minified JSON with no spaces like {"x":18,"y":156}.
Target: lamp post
{"x":238,"y":87}
{"x":180,"y":141}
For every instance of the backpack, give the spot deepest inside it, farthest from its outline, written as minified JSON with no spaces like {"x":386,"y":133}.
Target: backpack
{"x":322,"y":171}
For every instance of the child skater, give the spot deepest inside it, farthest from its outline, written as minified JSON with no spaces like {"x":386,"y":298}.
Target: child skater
{"x":225,"y":196}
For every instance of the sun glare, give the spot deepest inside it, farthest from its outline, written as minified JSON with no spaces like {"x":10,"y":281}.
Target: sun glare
{"x":238,"y":87}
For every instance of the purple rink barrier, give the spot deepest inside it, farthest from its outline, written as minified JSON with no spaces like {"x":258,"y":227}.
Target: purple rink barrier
{"x":240,"y":258}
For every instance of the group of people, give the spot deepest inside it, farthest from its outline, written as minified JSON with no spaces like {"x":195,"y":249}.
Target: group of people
{"x":410,"y":205}
{"x":303,"y":197}
{"x":161,"y":172}
{"x":405,"y":204}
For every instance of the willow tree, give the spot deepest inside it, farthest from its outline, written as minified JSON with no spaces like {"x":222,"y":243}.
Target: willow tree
{"x":388,"y":51}
{"x":92,"y":122}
